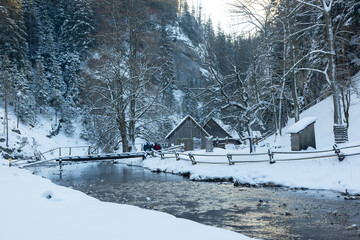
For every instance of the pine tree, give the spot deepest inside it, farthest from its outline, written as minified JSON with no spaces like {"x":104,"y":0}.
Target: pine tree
{"x":41,"y":87}
{"x":6,"y":78}
{"x":13,"y":47}
{"x":189,"y":25}
{"x":76,"y":39}
{"x":12,"y":34}
{"x":47,"y":53}
{"x":32,"y":28}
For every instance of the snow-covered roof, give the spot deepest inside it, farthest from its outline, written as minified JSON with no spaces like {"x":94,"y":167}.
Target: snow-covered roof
{"x":227,"y":128}
{"x":301,"y":125}
{"x":182,"y":121}
{"x":220,"y":127}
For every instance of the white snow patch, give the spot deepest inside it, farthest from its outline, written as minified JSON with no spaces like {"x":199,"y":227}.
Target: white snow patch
{"x":178,"y":95}
{"x":301,"y":124}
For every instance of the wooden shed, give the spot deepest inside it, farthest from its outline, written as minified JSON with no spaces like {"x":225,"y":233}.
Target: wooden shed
{"x":219,"y":134}
{"x":189,"y":133}
{"x":303,"y":134}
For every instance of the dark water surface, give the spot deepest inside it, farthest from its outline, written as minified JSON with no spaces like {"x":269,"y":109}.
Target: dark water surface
{"x":256,"y":212}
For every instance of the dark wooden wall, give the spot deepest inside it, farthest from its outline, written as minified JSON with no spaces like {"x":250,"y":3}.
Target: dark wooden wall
{"x":303,"y":139}
{"x":186,"y":133}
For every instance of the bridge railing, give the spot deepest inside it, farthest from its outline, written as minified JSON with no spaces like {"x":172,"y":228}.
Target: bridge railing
{"x":55,"y":153}
{"x":67,"y":151}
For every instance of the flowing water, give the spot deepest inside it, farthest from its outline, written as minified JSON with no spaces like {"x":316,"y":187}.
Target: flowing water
{"x":266,"y":213}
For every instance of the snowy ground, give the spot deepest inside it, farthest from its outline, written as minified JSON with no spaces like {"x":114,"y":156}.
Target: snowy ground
{"x":34,"y":208}
{"x":34,"y":139}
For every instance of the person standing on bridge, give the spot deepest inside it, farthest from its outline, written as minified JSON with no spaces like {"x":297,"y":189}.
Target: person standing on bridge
{"x":157,"y":147}
{"x":147,"y":147}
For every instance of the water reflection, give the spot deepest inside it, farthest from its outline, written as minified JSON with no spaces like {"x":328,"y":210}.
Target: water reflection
{"x":256,"y":212}
{"x":106,"y":172}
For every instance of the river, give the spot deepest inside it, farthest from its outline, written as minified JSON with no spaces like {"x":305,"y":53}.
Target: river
{"x":266,"y":213}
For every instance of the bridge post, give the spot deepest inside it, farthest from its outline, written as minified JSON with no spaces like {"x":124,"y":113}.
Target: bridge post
{"x":70,"y":151}
{"x":89,"y":150}
{"x":60,"y":164}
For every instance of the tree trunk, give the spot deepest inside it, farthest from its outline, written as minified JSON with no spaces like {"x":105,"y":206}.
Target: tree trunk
{"x":123,"y":131}
{"x":132,"y":123}
{"x":6,"y":121}
{"x":345,"y":95}
{"x":134,"y":70}
{"x":332,"y":65}
{"x":294,"y":84}
{"x":285,"y":59}
{"x":251,"y":138}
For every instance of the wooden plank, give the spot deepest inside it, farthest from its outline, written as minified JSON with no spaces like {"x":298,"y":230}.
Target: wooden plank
{"x":102,"y":157}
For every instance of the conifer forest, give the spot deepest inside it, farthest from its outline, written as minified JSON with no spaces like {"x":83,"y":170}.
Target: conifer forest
{"x":128,"y":69}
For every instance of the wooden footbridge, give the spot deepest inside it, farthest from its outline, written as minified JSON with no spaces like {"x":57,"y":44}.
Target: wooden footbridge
{"x":75,"y":154}
{"x":94,"y":157}
{"x":99,"y":157}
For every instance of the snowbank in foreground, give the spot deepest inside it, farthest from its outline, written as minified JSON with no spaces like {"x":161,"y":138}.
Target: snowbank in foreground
{"x":35,"y":208}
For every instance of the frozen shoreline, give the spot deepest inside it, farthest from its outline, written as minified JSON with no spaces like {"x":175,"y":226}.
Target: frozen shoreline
{"x":323,"y":174}
{"x":34,"y":208}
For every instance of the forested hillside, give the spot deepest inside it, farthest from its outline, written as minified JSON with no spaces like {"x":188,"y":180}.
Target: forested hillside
{"x":133,"y":68}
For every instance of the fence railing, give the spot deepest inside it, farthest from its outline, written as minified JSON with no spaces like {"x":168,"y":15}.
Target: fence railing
{"x":271,"y":156}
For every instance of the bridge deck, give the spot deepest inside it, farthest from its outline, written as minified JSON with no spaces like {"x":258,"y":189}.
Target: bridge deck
{"x":95,"y":157}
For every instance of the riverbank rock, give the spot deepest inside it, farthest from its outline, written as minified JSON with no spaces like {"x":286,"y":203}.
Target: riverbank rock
{"x":353,"y":227}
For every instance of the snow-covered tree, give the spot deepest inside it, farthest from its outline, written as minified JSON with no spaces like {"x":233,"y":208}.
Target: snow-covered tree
{"x":13,"y":48}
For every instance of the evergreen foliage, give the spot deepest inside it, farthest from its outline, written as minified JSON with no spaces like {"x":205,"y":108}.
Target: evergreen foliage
{"x":131,"y":68}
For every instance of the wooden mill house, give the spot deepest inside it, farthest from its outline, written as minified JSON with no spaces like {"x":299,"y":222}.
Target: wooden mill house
{"x":189,"y":133}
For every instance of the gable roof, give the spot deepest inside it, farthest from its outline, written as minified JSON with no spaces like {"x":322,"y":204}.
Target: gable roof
{"x":227,"y":128}
{"x":218,"y":126}
{"x":182,"y":122}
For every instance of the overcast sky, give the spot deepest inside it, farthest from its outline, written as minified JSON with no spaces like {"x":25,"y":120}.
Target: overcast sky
{"x":218,"y":10}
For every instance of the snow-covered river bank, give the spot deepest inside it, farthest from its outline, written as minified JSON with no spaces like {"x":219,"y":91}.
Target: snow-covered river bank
{"x":34,"y":208}
{"x":267,"y":213}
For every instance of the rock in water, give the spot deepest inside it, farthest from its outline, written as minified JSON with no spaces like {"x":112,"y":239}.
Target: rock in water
{"x":352,"y":227}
